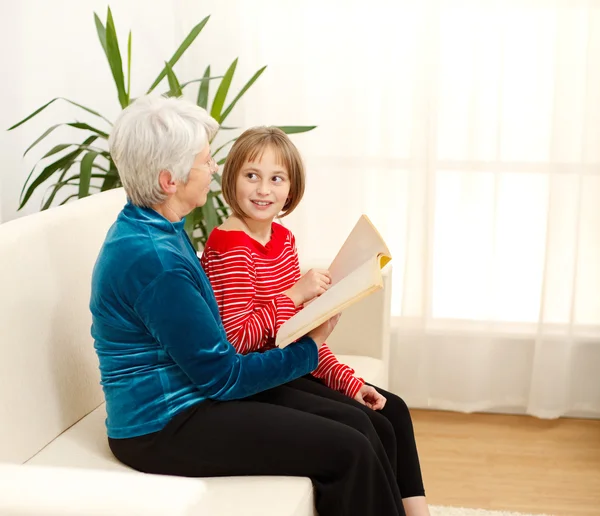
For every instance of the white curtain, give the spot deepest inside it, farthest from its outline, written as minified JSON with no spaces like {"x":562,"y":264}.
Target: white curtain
{"x":470,"y":133}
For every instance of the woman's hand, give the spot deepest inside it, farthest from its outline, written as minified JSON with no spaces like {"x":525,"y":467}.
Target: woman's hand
{"x":322,"y":332}
{"x":370,"y":397}
{"x":309,"y":286}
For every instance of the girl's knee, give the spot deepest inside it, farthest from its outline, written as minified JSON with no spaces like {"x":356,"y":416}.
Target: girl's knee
{"x":398,"y":406}
{"x":383,"y":426}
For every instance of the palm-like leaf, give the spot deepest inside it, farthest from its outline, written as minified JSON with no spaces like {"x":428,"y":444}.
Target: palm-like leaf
{"x":179,"y":52}
{"x":84,"y":157}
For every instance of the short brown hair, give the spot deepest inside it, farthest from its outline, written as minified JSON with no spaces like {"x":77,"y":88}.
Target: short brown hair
{"x":248,"y":147}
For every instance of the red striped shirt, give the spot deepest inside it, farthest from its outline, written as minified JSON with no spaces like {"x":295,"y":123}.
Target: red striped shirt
{"x":249,"y":280}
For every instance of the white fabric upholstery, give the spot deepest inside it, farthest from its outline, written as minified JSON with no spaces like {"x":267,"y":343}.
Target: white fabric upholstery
{"x":48,"y":368}
{"x":60,"y":491}
{"x":372,"y":370}
{"x":51,"y":404}
{"x":84,"y":445}
{"x":73,"y":492}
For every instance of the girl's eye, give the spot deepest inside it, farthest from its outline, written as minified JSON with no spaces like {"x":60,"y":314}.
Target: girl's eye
{"x":277,"y":179}
{"x":251,"y":175}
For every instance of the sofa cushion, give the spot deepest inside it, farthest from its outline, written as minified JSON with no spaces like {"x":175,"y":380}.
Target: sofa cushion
{"x":84,"y":445}
{"x":48,"y":367}
{"x":370,"y":369}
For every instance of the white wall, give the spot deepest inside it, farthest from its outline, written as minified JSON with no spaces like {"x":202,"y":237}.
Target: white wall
{"x":50,"y":48}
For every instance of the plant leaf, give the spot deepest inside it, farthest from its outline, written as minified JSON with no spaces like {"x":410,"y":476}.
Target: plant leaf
{"x":62,"y":162}
{"x":223,"y":207}
{"x":44,"y":134}
{"x":190,"y":222}
{"x":187,"y":83}
{"x":241,"y":93}
{"x":68,"y":199}
{"x":128,"y":67}
{"x":101,"y":33}
{"x":174,"y":86}
{"x":81,"y":146}
{"x":222,"y":91}
{"x":221,"y":161}
{"x":54,"y":100}
{"x":113,"y":55}
{"x":56,"y":187}
{"x":86,"y":173}
{"x":56,"y":149}
{"x":112,"y":178}
{"x":76,"y":125}
{"x":294,"y":129}
{"x":179,"y":52}
{"x":223,"y":146}
{"x":217,"y":177}
{"x":203,"y":89}
{"x":211,"y":219}
{"x":87,"y":127}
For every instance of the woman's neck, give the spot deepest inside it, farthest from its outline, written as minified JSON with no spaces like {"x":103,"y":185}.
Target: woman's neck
{"x":167,"y":211}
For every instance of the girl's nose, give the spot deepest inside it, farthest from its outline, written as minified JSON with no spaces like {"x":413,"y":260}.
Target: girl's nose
{"x":264,"y":189}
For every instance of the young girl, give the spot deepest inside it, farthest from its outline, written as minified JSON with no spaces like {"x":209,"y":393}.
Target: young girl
{"x":252,"y":264}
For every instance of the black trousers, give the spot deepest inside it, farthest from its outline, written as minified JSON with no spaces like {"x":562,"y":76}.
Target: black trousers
{"x":298,"y":429}
{"x":394,"y":428}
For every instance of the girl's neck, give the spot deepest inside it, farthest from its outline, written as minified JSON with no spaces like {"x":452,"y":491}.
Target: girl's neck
{"x":259,"y":230}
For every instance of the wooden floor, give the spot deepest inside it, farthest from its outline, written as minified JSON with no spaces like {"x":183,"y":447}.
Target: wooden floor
{"x":515,"y":463}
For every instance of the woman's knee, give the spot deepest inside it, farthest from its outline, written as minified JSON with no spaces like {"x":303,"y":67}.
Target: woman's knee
{"x":351,"y":446}
{"x":357,"y":419}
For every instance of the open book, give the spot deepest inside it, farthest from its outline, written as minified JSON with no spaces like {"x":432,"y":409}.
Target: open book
{"x":355,"y":273}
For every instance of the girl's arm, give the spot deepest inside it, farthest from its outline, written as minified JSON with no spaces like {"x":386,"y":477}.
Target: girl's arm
{"x":334,"y":374}
{"x":250,"y":324}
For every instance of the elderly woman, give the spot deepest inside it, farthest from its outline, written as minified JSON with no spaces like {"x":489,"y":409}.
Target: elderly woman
{"x":176,"y":391}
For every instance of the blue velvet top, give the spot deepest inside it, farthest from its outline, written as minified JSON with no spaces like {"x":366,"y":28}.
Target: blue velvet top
{"x":158,"y":333}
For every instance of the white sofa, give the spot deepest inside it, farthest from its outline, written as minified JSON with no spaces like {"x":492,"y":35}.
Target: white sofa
{"x":54,"y":457}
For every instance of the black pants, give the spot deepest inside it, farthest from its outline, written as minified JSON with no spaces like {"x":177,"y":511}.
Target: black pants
{"x":296,"y":429}
{"x":394,"y":428}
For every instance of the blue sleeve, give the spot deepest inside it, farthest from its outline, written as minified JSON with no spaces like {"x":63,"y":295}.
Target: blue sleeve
{"x":176,"y":314}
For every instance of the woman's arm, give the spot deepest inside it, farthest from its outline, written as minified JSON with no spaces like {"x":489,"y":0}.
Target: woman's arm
{"x":249,"y":324}
{"x":176,"y":314}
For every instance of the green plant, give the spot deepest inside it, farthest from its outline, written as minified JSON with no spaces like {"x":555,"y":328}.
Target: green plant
{"x":88,"y":165}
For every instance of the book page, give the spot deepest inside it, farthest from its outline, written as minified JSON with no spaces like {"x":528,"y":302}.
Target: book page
{"x":363,"y":243}
{"x":347,"y":291}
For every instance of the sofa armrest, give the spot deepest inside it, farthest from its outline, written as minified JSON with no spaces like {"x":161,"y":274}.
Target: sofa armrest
{"x":51,"y":491}
{"x":364,"y":328}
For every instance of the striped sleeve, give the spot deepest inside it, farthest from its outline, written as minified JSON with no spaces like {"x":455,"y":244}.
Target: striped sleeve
{"x":250,"y":325}
{"x":336,"y":375}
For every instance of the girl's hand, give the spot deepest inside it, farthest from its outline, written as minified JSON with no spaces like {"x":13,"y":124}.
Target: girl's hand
{"x":370,"y":397}
{"x":309,"y":286}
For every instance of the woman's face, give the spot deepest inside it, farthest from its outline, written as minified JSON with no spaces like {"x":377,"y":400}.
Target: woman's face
{"x":193,"y":194}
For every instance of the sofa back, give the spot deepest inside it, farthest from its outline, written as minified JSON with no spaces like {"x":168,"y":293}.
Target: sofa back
{"x":49,"y":376}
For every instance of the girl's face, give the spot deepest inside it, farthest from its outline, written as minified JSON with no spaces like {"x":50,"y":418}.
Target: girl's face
{"x":262,"y":187}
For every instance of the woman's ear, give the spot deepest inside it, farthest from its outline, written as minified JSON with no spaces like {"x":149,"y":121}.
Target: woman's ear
{"x":166,"y":182}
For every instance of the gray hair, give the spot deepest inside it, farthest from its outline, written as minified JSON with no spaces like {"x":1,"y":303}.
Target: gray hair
{"x":156,"y":133}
